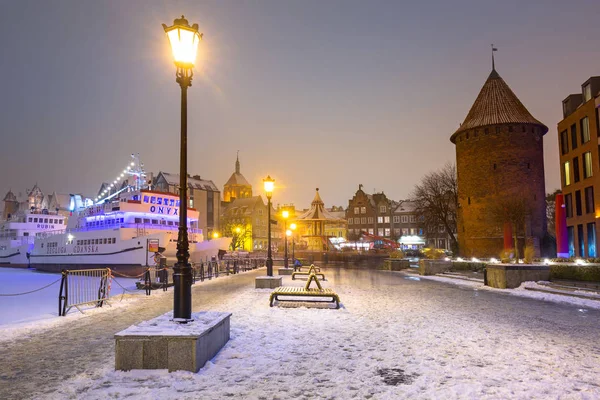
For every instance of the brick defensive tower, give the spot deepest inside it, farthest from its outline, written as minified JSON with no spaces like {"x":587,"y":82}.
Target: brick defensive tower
{"x":499,"y":156}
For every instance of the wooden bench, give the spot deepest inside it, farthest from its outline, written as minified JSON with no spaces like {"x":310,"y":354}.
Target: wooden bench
{"x":312,"y":270}
{"x":305,"y":292}
{"x":312,"y":266}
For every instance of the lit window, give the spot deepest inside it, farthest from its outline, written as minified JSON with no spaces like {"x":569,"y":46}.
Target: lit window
{"x":363,"y":210}
{"x":387,"y":232}
{"x":371,"y":231}
{"x":363,"y":220}
{"x":369,"y":220}
{"x":567,"y":173}
{"x":585,"y":130}
{"x":587,"y":164}
{"x":386,"y":220}
{"x":380,"y":232}
{"x":350,"y":221}
{"x":380,"y":220}
{"x":356,"y":210}
{"x":587,"y":93}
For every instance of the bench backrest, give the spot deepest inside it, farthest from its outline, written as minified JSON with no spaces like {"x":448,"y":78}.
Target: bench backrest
{"x":312,"y":277}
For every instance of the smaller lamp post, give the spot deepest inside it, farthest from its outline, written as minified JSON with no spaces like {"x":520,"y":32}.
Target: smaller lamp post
{"x":285,"y":214}
{"x":269,"y":184}
{"x":293,"y":228}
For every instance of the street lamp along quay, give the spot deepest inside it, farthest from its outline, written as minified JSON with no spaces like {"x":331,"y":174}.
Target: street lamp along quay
{"x":293,"y":228}
{"x":269,"y":184}
{"x":285,"y":214}
{"x":184,"y":40}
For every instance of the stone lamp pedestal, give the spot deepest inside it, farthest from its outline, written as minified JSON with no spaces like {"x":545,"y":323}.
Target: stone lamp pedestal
{"x":161,"y":343}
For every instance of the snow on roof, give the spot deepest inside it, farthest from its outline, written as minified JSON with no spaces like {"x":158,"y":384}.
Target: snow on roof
{"x":193,"y":182}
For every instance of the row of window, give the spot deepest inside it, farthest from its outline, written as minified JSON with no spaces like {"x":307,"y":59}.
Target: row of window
{"x":581,"y":236}
{"x":584,"y":130}
{"x":387,"y":231}
{"x":46,"y":220}
{"x":574,"y":165}
{"x":383,"y":220}
{"x":360,"y":210}
{"x":589,"y":202}
{"x":104,"y":222}
{"x":88,"y":242}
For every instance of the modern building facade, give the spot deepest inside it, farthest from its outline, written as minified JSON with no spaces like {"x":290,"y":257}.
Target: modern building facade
{"x":203,"y":196}
{"x":579,"y":148}
{"x":499,"y":158}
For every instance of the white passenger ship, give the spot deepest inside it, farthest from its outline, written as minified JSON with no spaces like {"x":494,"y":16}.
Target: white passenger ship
{"x":18,"y":233}
{"x":117,"y":232}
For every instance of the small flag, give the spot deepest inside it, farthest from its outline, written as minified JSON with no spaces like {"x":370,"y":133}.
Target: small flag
{"x":494,"y":49}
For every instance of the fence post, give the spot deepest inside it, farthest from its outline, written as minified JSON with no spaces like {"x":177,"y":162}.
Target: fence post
{"x":147,"y":282}
{"x":62,"y":299}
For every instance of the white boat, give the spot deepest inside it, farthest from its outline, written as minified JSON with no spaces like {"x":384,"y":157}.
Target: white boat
{"x":18,"y":233}
{"x":119,"y":233}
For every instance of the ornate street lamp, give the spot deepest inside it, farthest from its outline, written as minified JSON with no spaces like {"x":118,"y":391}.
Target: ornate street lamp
{"x":269,"y":184}
{"x":285,"y":214}
{"x":184,"y":41}
{"x":293,"y":228}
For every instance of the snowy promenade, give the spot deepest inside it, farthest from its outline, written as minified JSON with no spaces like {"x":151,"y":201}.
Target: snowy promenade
{"x":440,"y":340}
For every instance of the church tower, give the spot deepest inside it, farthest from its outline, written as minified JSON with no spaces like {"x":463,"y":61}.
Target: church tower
{"x":11,"y":205}
{"x":499,"y":158}
{"x":237,"y":187}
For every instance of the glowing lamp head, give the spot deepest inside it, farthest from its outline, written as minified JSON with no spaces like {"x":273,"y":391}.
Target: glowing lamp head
{"x":215,"y":235}
{"x":269,"y":186}
{"x":70,"y":237}
{"x":238,"y":229}
{"x":293,"y":226}
{"x":285,"y":214}
{"x":288,"y":232}
{"x":184,"y":41}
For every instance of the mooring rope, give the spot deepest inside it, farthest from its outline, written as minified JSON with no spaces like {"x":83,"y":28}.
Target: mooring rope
{"x":32,"y":291}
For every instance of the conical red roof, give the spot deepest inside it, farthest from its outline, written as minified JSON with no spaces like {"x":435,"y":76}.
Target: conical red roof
{"x":497,"y":104}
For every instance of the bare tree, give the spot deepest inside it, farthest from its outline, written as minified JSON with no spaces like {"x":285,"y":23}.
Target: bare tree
{"x":513,"y":210}
{"x":239,"y":233}
{"x":551,"y":211}
{"x":436,"y":199}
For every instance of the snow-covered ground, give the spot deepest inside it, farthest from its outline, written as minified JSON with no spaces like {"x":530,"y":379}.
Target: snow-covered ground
{"x":522,"y":291}
{"x":33,"y":312}
{"x":427,"y":339}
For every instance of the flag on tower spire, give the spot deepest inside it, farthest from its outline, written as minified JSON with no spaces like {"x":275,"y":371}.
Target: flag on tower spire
{"x":493,"y":63}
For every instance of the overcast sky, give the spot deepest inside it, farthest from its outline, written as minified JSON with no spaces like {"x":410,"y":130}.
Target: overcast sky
{"x":326,"y":94}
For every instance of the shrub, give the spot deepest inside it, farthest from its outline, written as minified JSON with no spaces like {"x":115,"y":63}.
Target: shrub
{"x":397,"y":254}
{"x":506,"y":255}
{"x":528,"y":254}
{"x":587,"y":273}
{"x":434,"y":254}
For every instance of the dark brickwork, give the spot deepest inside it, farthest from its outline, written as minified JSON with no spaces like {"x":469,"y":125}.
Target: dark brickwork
{"x":494,"y":163}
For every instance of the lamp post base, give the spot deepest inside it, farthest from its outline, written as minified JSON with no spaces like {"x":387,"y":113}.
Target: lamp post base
{"x":285,"y":271}
{"x":268,"y":282}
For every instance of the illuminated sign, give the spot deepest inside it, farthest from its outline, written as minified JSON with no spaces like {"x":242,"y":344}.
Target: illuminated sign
{"x":161,"y":201}
{"x":164,"y":210}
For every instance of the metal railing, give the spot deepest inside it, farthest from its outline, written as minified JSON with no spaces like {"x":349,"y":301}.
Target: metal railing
{"x":157,"y":278}
{"x":85,"y":286}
